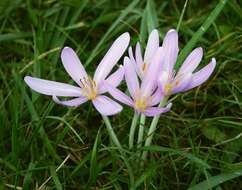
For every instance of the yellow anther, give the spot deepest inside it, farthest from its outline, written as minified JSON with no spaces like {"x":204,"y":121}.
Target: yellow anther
{"x":144,"y":67}
{"x":141,"y":104}
{"x":89,"y":88}
{"x":168,"y":88}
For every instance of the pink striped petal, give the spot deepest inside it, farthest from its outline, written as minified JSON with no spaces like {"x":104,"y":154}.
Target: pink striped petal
{"x":73,"y":65}
{"x":74,"y":102}
{"x":202,"y":75}
{"x":131,"y":77}
{"x":192,"y":61}
{"x":106,"y":106}
{"x":119,"y":95}
{"x":152,"y":46}
{"x":111,"y":58}
{"x":153,"y":111}
{"x":52,"y":88}
{"x":170,"y":45}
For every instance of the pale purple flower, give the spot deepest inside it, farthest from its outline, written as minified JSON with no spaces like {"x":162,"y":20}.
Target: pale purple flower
{"x":144,"y":96}
{"x":141,"y":64}
{"x":89,"y":89}
{"x":185,"y":79}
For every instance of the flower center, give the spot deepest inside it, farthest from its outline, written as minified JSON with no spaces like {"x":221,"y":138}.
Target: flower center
{"x":141,"y":104}
{"x":89,"y":88}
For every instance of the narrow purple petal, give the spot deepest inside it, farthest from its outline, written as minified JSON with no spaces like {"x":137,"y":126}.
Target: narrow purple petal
{"x":150,"y":79}
{"x":52,"y":88}
{"x":73,"y":65}
{"x":152,"y":111}
{"x":135,"y":63}
{"x":180,"y":83}
{"x":131,"y":77}
{"x":156,"y":97}
{"x":202,"y":75}
{"x":138,"y":54}
{"x":192,"y":61}
{"x":106,"y":106}
{"x":111,"y":58}
{"x":119,"y":95}
{"x":152,"y":46}
{"x":114,"y":79}
{"x":170,"y":45}
{"x":163,"y":80}
{"x":74,"y":102}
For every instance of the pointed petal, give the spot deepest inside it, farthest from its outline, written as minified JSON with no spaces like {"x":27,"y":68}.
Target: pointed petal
{"x":73,"y":65}
{"x":115,"y":79}
{"x":192,"y":61}
{"x":111,"y":58}
{"x":52,"y":88}
{"x":149,"y":82}
{"x":74,"y":102}
{"x":138,"y":54}
{"x":181,"y":83}
{"x":119,"y":95}
{"x":170,"y":45}
{"x":156,"y":97}
{"x":106,"y":106}
{"x":152,"y":46}
{"x":131,"y":77}
{"x":134,"y":62}
{"x":152,"y":111}
{"x":163,"y":80}
{"x":202,"y":75}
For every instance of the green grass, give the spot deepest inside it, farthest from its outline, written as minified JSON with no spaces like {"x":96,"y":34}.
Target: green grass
{"x":197,"y":145}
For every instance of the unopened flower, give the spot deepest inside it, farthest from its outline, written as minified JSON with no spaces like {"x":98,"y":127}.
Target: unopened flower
{"x":89,"y":88}
{"x":141,"y":64}
{"x":171,"y":82}
{"x":145,"y":96}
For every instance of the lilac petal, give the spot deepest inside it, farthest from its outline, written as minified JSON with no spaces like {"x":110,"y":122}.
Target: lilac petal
{"x":114,"y":79}
{"x":111,"y":58}
{"x":74,"y":102}
{"x":152,"y":111}
{"x":181,"y":83}
{"x":131,"y":77}
{"x":119,"y":95}
{"x":136,"y":64}
{"x":138,"y":54}
{"x":52,"y":88}
{"x":152,"y":46}
{"x":106,"y":106}
{"x":156,"y":97}
{"x":150,"y":79}
{"x":163,"y":80}
{"x":192,"y":61}
{"x":202,"y":75}
{"x":73,"y":65}
{"x":170,"y":45}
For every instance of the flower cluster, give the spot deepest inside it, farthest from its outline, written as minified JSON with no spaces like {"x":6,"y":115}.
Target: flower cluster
{"x":149,"y":78}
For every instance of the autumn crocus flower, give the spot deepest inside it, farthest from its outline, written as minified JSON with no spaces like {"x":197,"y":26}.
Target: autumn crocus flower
{"x":89,"y":88}
{"x":145,"y":96}
{"x":185,"y":79}
{"x":141,"y":63}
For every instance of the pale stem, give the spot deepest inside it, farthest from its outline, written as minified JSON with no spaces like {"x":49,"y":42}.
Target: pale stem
{"x":111,"y":132}
{"x":141,"y":130}
{"x":153,"y":128}
{"x":132,"y":129}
